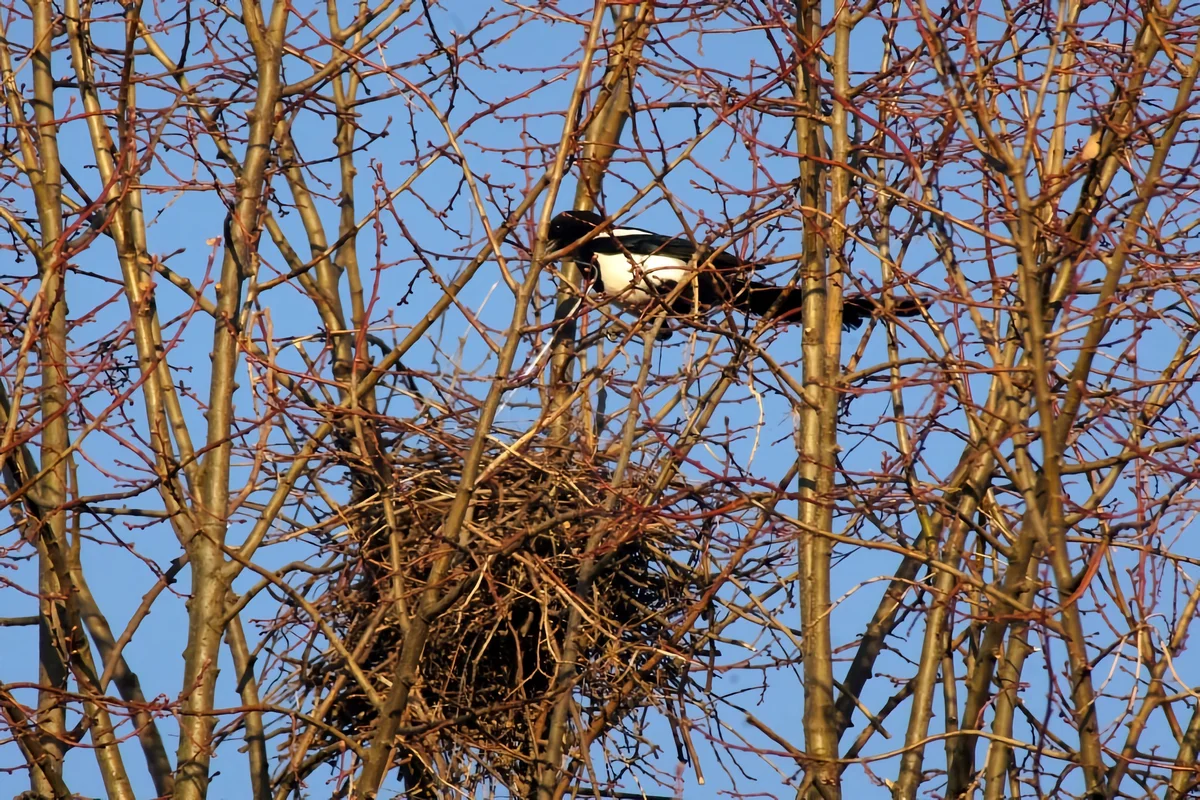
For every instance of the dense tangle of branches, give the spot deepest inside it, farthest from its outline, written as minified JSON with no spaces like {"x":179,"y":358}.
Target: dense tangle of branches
{"x":324,"y":476}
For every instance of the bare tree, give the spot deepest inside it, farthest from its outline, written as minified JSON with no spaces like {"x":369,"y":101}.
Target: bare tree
{"x":328,"y":474}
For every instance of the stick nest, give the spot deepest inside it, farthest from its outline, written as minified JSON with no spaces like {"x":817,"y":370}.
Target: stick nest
{"x":484,"y":690}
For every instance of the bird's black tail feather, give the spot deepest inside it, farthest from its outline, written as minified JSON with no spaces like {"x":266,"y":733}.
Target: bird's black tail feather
{"x":859,"y":307}
{"x":856,"y":308}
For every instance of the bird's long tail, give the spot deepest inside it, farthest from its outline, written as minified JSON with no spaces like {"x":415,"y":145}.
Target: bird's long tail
{"x":856,"y":308}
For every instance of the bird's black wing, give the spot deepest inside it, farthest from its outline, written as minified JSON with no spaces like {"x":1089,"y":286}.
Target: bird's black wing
{"x":644,"y":244}
{"x":723,"y":279}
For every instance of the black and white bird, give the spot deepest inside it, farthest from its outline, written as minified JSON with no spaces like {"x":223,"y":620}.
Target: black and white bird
{"x":636,"y":267}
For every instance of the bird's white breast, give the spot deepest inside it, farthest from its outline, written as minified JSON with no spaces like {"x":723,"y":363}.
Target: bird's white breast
{"x":629,"y":279}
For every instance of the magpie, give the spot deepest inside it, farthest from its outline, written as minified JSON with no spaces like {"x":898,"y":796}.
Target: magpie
{"x":636,"y":267}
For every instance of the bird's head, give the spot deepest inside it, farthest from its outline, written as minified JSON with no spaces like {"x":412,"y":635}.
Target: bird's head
{"x":571,"y":226}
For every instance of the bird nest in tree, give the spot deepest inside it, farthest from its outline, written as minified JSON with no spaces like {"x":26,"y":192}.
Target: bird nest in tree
{"x":540,"y":519}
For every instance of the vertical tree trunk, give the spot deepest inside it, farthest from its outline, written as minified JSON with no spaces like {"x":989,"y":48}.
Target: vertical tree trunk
{"x":817,"y":438}
{"x":209,"y":584}
{"x":610,"y":111}
{"x":46,"y":177}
